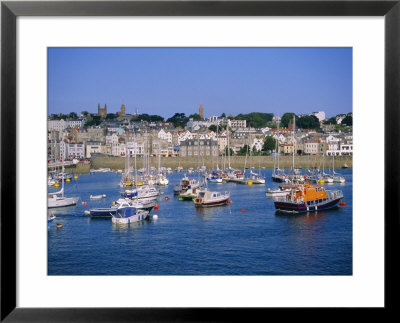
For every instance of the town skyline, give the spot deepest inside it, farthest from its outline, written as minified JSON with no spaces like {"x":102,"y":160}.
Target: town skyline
{"x":162,"y":81}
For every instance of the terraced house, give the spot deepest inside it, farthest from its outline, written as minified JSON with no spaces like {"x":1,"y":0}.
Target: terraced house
{"x":198,"y":147}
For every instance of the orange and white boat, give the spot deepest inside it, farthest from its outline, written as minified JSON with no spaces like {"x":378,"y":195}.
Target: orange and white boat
{"x":306,"y":198}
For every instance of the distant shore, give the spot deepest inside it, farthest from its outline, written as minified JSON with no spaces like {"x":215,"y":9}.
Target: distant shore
{"x":285,"y":162}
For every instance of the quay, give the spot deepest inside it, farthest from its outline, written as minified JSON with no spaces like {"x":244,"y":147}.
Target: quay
{"x":237,"y":162}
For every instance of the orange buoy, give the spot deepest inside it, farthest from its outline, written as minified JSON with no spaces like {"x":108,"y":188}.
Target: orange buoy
{"x":243,"y":210}
{"x":167,"y":198}
{"x":229,"y":202}
{"x":84,"y":203}
{"x":156,"y":207}
{"x":342,"y":203}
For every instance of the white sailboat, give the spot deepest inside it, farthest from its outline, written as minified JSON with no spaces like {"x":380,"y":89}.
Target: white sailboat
{"x":337,"y":178}
{"x":278,"y":175}
{"x":57,"y":199}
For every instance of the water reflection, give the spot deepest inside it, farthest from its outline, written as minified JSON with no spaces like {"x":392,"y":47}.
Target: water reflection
{"x":306,"y":217}
{"x":126,"y":227}
{"x":205,"y":213}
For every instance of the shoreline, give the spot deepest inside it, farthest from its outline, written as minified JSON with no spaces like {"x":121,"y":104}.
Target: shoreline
{"x":238,"y":162}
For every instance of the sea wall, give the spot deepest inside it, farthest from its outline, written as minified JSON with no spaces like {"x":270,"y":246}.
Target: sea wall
{"x":285,"y":162}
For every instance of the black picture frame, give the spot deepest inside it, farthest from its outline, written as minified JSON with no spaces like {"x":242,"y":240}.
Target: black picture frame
{"x":10,"y":10}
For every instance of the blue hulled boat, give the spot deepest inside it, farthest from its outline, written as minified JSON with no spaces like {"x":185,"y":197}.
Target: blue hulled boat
{"x":308,"y":198}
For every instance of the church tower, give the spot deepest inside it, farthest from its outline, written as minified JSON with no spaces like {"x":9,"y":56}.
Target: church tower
{"x":122,"y":112}
{"x":201,"y":112}
{"x":102,"y":112}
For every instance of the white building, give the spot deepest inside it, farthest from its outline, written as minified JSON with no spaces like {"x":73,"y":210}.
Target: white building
{"x":340,"y":118}
{"x":333,"y":143}
{"x":320,"y":115}
{"x":76,"y":150}
{"x":265,"y":130}
{"x":133,"y":148}
{"x":94,"y":147}
{"x":58,"y":125}
{"x":63,"y":150}
{"x":311,"y":147}
{"x":258,"y":143}
{"x":280,"y":137}
{"x":213,"y":119}
{"x":222,"y":141}
{"x":236,"y":124}
{"x":165,"y":135}
{"x":184,"y":136}
{"x":112,"y":139}
{"x":118,"y":149}
{"x":197,"y":124}
{"x":344,"y":149}
{"x":77,"y":123}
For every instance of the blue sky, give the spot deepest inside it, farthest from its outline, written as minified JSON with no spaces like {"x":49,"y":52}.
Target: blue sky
{"x":163,"y":81}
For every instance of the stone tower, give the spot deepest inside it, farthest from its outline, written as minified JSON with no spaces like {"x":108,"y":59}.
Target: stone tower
{"x":201,"y":111}
{"x":102,"y":112}
{"x":122,"y":112}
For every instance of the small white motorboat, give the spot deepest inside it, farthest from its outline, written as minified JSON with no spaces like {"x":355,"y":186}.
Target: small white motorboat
{"x":283,"y":190}
{"x":50,"y":219}
{"x":126,"y":214}
{"x":97,"y":197}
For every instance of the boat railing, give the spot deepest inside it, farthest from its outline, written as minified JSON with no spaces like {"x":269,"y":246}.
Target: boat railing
{"x":286,"y":199}
{"x":334,"y":194}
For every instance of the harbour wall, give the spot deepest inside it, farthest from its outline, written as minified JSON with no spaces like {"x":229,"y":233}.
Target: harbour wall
{"x":285,"y":162}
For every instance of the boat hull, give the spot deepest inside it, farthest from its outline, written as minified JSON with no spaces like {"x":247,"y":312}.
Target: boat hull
{"x":211,"y":204}
{"x":128,"y":215}
{"x":103,"y":212}
{"x":186,"y":197}
{"x":61,"y":202}
{"x":290,"y":207}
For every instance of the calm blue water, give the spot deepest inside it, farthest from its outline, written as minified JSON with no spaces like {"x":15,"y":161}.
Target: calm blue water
{"x":185,"y":240}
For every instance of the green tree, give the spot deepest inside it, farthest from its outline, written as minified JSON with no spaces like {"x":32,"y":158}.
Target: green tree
{"x":256,"y":119}
{"x":95,"y":121}
{"x":213,"y":127}
{"x":330,"y":121}
{"x":286,"y":118}
{"x":223,"y":115}
{"x":348,"y":120}
{"x":307,"y":122}
{"x":228,"y":151}
{"x":156,"y":118}
{"x":73,"y":115}
{"x":244,"y":150}
{"x":195,"y":116}
{"x":269,"y":144}
{"x":111,"y":116}
{"x":148,"y":118}
{"x":178,"y":120}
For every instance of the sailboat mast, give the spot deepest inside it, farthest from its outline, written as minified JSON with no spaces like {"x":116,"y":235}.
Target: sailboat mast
{"x":62,"y":184}
{"x":198,"y":156}
{"x":137,"y":193}
{"x":277,"y":141}
{"x":229,"y":149}
{"x":294,"y":127}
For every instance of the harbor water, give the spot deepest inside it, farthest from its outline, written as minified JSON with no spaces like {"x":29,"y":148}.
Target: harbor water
{"x":246,"y":237}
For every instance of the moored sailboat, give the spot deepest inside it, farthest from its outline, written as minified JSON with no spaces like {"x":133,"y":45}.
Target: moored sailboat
{"x":57,"y":199}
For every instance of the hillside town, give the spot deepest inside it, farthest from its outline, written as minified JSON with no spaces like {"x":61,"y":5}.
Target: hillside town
{"x":79,"y":137}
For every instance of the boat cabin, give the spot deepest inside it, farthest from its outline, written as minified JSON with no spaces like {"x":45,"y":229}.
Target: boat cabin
{"x":311,"y":193}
